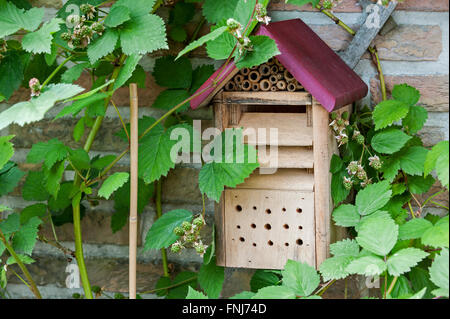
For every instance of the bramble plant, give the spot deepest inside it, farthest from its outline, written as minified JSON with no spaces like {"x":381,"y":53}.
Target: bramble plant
{"x":383,"y":162}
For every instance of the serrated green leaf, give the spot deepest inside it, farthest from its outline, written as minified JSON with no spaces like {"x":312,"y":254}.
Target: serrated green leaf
{"x":275,"y":292}
{"x":346,"y":215}
{"x":244,"y":295}
{"x":77,"y":106}
{"x":434,"y":154}
{"x":50,"y":152}
{"x":168,"y":99}
{"x":103,"y":45}
{"x":74,"y":73}
{"x":301,"y":278}
{"x":102,"y":162}
{"x":345,"y":248}
{"x":64,"y":199}
{"x":194,"y":294}
{"x":263,"y":48}
{"x":36,"y":210}
{"x":415,"y":119}
{"x":34,"y":187}
{"x":180,"y":292}
{"x":10,"y":175}
{"x":13,"y":19}
{"x":199,"y":76}
{"x":373,"y":198}
{"x":419,"y":184}
{"x":11,"y":224}
{"x":112,"y":183}
{"x":127,"y":70}
{"x":137,"y":7}
{"x":161,"y":233}
{"x":182,"y":13}
{"x":50,"y":58}
{"x":403,"y":260}
{"x":80,"y":159}
{"x":367,"y":266}
{"x":222,"y":46}
{"x":420,"y":279}
{"x":211,"y":278}
{"x":117,"y":15}
{"x":6,"y":149}
{"x":302,"y":2}
{"x":389,"y":141}
{"x":439,"y":274}
{"x":390,"y":167}
{"x":406,"y":94}
{"x":438,"y":235}
{"x":11,"y":74}
{"x":78,"y":130}
{"x":263,"y":278}
{"x":377,"y":234}
{"x":388,"y":112}
{"x":215,"y":11}
{"x":174,"y":74}
{"x":199,"y":42}
{"x":413,"y":228}
{"x":25,"y":239}
{"x":23,"y":258}
{"x":412,"y":161}
{"x":338,"y":191}
{"x":335,"y":267}
{"x":35,"y":109}
{"x":54,"y":176}
{"x":442,"y":164}
{"x":40,"y":41}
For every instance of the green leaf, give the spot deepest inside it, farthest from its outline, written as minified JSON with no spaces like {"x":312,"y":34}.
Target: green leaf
{"x":34,"y":187}
{"x":302,"y":2}
{"x":414,"y":228}
{"x":6,"y":149}
{"x":35,"y":109}
{"x":405,"y":93}
{"x":263,"y":278}
{"x":377,"y":234}
{"x":11,"y":224}
{"x":40,"y":41}
{"x":432,"y":156}
{"x":137,"y":7}
{"x":78,"y":130}
{"x":161,"y":233}
{"x":367,"y":266}
{"x":80,"y":159}
{"x":182,"y":13}
{"x":211,"y":278}
{"x":263,"y":49}
{"x":194,"y":294}
{"x":439,"y":272}
{"x":103,"y":45}
{"x":416,"y":118}
{"x":112,"y":183}
{"x":336,"y":165}
{"x":389,"y":141}
{"x":64,"y":199}
{"x":346,"y":215}
{"x":36,"y":210}
{"x":117,"y":15}
{"x":50,"y":152}
{"x":143,"y":34}
{"x":11,"y":74}
{"x":215,"y":11}
{"x":390,"y":167}
{"x":25,"y":239}
{"x":403,"y":260}
{"x":442,"y":164}
{"x":419,"y":184}
{"x":23,"y":258}
{"x":177,"y":33}
{"x":373,"y":197}
{"x":275,"y":292}
{"x":244,"y":295}
{"x":77,"y":106}
{"x":174,"y":74}
{"x":335,"y":267}
{"x":180,"y":292}
{"x":419,"y":295}
{"x":127,"y":70}
{"x":338,"y":191}
{"x":221,"y":47}
{"x":200,"y":75}
{"x":412,"y":161}
{"x":388,"y":112}
{"x":10,"y":175}
{"x":74,"y":73}
{"x":50,"y":58}
{"x":54,"y":176}
{"x":13,"y":19}
{"x":345,"y":248}
{"x":438,"y":235}
{"x":420,"y":279}
{"x":199,"y":42}
{"x":168,"y":99}
{"x":301,"y":278}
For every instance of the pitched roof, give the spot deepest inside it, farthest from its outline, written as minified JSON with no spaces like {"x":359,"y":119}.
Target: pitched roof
{"x":309,"y":59}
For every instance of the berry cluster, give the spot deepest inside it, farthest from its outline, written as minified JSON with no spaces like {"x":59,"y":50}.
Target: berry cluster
{"x":35,"y":87}
{"x":339,"y":125}
{"x":85,"y":27}
{"x":189,"y":236}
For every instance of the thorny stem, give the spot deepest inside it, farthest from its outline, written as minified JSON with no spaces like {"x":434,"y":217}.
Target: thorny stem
{"x":56,"y":244}
{"x":373,"y":50}
{"x":22,"y":266}
{"x":158,"y":200}
{"x":169,"y":287}
{"x":335,"y":19}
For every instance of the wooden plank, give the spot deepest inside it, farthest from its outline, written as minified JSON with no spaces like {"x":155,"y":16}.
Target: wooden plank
{"x":220,"y":239}
{"x":265,"y":228}
{"x":292,"y":128}
{"x":367,"y":32}
{"x":286,"y":157}
{"x":283,"y":179}
{"x":235,"y":113}
{"x":270,"y":98}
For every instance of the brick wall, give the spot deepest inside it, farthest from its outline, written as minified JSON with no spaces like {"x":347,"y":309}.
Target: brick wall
{"x":416,"y":52}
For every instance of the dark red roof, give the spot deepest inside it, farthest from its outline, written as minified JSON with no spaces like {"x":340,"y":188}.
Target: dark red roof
{"x":309,"y":59}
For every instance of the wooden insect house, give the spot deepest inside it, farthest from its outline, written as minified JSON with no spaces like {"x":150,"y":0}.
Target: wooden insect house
{"x":271,"y":218}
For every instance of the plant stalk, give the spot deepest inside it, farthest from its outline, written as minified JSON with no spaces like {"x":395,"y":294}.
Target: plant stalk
{"x":336,"y":20}
{"x":158,"y":201}
{"x":55,"y":71}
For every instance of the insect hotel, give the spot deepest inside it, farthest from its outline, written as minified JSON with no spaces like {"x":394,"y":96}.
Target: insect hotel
{"x":271,"y":218}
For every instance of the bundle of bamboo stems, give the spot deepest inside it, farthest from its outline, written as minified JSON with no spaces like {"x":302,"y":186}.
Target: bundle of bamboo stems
{"x":270,"y":76}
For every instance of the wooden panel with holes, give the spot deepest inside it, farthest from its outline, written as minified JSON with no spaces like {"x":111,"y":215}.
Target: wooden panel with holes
{"x":265,"y":228}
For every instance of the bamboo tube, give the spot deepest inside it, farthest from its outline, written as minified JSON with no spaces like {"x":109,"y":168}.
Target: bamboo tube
{"x":230,"y":86}
{"x":239,"y":78}
{"x":253,"y":68}
{"x":281,"y":85}
{"x":264,"y":70}
{"x":271,"y":61}
{"x":255,"y":87}
{"x":254,"y":76}
{"x":265,"y":85}
{"x":299,"y":86}
{"x":246,"y":85}
{"x":292,"y":87}
{"x":273,"y":88}
{"x":274,"y":69}
{"x":273,"y":79}
{"x":288,"y":76}
{"x":280,"y":76}
{"x":244,"y":71}
{"x":133,"y":188}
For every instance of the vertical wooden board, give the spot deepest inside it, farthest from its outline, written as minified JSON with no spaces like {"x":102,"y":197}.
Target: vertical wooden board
{"x":219,"y":222}
{"x":265,"y":228}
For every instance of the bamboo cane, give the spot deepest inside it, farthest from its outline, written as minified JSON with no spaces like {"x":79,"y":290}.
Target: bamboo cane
{"x":245,"y":71}
{"x":274,"y":69}
{"x":246,"y":85}
{"x":265,"y":85}
{"x":133,"y":187}
{"x":238,"y":79}
{"x":273,"y":88}
{"x":255,"y":87}
{"x":281,"y":85}
{"x":292,"y":87}
{"x":273,"y":79}
{"x":254,"y":76}
{"x":288,"y":76}
{"x":230,"y":86}
{"x":264,"y":70}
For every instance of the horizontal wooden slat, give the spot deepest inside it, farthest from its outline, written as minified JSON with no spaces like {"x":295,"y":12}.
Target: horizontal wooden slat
{"x":283,"y":179}
{"x":292,"y":128}
{"x":270,"y":98}
{"x":286,"y":157}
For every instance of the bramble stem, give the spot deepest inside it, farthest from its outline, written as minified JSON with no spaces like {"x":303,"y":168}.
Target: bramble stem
{"x":55,"y":71}
{"x":391,"y":286}
{"x":336,"y":20}
{"x":171,"y":286}
{"x":158,"y":200}
{"x":373,"y":50}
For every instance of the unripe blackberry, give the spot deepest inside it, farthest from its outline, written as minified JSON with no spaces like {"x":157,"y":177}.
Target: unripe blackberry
{"x":345,"y":115}
{"x":198,"y":222}
{"x":352,"y":168}
{"x":333,"y":116}
{"x":360,"y":139}
{"x":340,"y":122}
{"x":76,"y":42}
{"x":187,"y":226}
{"x":176,"y":248}
{"x":179,"y":231}
{"x":190,"y":238}
{"x":348,"y":183}
{"x":85,"y":8}
{"x":66,"y":36}
{"x":327,"y":4}
{"x":361,"y":174}
{"x":200,"y":248}
{"x":98,"y":27}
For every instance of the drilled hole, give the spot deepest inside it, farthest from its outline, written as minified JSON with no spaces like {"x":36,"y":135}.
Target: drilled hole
{"x":299,"y":242}
{"x":299,"y":210}
{"x":283,"y":209}
{"x":286,"y":226}
{"x":268,"y":211}
{"x":253,"y":226}
{"x":267,"y":226}
{"x":286,"y":244}
{"x":300,"y":227}
{"x":242,"y":239}
{"x":254,"y":207}
{"x":239,"y":208}
{"x":270,"y":243}
{"x":254,"y":244}
{"x":238,"y":227}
